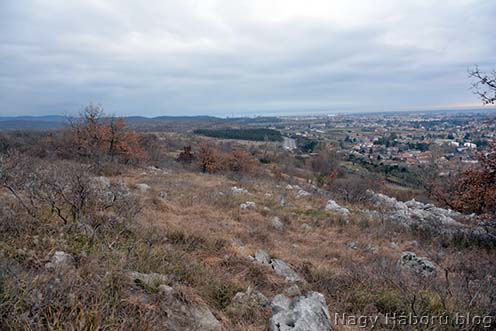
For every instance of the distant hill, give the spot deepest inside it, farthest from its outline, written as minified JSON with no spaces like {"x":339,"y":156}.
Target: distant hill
{"x":51,"y":122}
{"x":140,"y":119}
{"x":258,"y":119}
{"x":47,"y":118}
{"x":189,"y":118}
{"x":27,"y":124}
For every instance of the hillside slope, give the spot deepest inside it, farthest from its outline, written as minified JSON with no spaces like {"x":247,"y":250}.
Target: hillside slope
{"x":187,"y":251}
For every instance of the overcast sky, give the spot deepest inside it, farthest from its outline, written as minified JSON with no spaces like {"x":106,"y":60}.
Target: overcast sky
{"x":232,"y":57}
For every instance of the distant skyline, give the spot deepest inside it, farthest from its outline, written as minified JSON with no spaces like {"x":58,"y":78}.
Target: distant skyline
{"x":241,"y":57}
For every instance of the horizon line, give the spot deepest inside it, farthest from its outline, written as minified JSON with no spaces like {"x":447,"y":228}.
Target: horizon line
{"x":287,"y":113}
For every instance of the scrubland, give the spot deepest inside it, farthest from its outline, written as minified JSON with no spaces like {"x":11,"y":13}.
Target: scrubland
{"x":187,"y":229}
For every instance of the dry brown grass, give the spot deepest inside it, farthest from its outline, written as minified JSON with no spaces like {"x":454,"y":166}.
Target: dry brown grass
{"x":200,"y":238}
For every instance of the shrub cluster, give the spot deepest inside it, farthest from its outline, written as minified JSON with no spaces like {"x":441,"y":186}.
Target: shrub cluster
{"x":210,"y":159}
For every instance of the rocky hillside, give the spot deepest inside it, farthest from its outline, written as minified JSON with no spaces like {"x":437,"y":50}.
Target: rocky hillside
{"x":164,"y":249}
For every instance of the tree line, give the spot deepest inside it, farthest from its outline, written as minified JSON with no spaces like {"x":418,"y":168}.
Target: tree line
{"x":258,"y":134}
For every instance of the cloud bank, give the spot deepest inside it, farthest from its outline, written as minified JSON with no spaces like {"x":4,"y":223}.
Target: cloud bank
{"x":231,"y":57}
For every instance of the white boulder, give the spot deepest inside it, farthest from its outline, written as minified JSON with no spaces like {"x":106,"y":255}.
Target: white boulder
{"x":238,"y":190}
{"x":332,"y":205}
{"x":248,"y":205}
{"x":143,"y":187}
{"x":308,"y":312}
{"x":302,"y":194}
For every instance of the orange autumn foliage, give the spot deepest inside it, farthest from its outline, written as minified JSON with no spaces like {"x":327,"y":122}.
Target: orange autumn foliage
{"x":208,"y":158}
{"x":473,"y":190}
{"x":240,"y":161}
{"x":104,"y":139}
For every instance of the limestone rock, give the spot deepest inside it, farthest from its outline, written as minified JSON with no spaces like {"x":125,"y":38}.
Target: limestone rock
{"x":277,"y":223}
{"x":302,"y":194}
{"x":293,"y":290}
{"x":238,"y":190}
{"x":250,"y":297}
{"x":305,"y":313}
{"x":431,"y":219}
{"x":60,"y":260}
{"x":280,"y":303}
{"x":186,"y":316}
{"x":280,"y":267}
{"x":283,"y":269}
{"x":415,"y":214}
{"x":248,"y":205}
{"x":203,"y":319}
{"x":143,"y":187}
{"x":151,"y":280}
{"x":262,"y":257}
{"x":334,"y":207}
{"x":418,"y":265}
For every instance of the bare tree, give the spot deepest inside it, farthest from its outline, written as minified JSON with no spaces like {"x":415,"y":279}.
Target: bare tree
{"x":64,"y":189}
{"x":484,"y":85}
{"x":325,"y":165}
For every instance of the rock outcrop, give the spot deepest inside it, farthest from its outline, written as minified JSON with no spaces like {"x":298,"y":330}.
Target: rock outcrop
{"x":418,"y":265}
{"x":179,"y":313}
{"x":151,"y":280}
{"x":186,"y":316}
{"x":308,"y":312}
{"x":280,"y":267}
{"x":262,"y":257}
{"x":277,"y":223}
{"x":334,"y":207}
{"x":302,"y":194}
{"x":238,"y":190}
{"x":283,"y":269}
{"x":416,"y":214}
{"x":143,"y":187}
{"x":60,"y":260}
{"x":248,"y":205}
{"x":250,"y":297}
{"x":431,"y":219}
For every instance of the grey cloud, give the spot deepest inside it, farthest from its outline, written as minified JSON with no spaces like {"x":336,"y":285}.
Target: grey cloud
{"x":228,"y":57}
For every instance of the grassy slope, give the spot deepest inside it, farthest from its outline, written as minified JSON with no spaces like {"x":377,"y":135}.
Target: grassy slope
{"x":200,"y":238}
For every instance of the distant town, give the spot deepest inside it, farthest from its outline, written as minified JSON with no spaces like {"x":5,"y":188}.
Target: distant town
{"x":399,"y":139}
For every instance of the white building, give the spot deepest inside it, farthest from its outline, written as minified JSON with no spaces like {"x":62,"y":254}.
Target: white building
{"x":470,"y":145}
